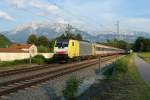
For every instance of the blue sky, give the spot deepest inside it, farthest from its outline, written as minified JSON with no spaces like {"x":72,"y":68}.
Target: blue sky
{"x":90,"y":15}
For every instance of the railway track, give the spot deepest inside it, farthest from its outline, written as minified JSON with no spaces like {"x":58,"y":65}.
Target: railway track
{"x":24,"y":70}
{"x":35,"y":68}
{"x":24,"y":82}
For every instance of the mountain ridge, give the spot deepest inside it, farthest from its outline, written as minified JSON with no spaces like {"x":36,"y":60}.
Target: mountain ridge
{"x":21,"y":33}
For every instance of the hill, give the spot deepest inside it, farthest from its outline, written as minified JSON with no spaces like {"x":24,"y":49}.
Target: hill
{"x":4,"y":41}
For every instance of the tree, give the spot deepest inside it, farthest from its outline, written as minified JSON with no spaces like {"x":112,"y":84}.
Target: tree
{"x":43,"y":49}
{"x":142,"y":44}
{"x":69,"y":35}
{"x":138,"y":45}
{"x":118,"y":44}
{"x":4,"y":41}
{"x":79,"y":37}
{"x":51,"y":44}
{"x":43,"y":40}
{"x":61,"y":37}
{"x":71,"y":88}
{"x":32,"y":39}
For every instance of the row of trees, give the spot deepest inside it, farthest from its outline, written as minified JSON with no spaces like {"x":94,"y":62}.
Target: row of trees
{"x":46,"y":45}
{"x":118,"y":44}
{"x":42,"y":40}
{"x":43,"y":43}
{"x":69,"y":35}
{"x":142,"y":45}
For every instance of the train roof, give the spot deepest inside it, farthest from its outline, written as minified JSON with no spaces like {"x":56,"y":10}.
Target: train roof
{"x":67,"y":40}
{"x":104,"y":46}
{"x":62,"y":40}
{"x":97,"y":44}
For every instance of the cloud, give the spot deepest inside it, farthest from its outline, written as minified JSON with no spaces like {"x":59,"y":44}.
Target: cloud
{"x":44,"y":6}
{"x":17,"y":3}
{"x":140,"y":24}
{"x":5,"y":16}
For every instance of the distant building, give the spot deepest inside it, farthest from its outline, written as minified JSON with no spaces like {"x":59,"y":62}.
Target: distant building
{"x":10,"y":50}
{"x":30,"y":48}
{"x":17,"y":52}
{"x":21,"y":48}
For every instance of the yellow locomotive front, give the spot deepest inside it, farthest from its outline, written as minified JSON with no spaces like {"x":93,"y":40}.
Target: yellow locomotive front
{"x":66,"y":48}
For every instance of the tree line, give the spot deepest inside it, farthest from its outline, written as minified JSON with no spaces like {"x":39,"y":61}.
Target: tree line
{"x":118,"y":44}
{"x":46,"y":45}
{"x":142,"y":45}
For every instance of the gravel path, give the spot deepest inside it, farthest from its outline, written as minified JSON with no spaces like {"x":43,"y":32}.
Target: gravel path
{"x":144,"y":68}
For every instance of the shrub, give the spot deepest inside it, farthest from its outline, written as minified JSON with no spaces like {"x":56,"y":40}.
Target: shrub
{"x":39,"y":59}
{"x":43,"y":49}
{"x":16,"y":62}
{"x":109,"y":71}
{"x":121,"y":65}
{"x":71,"y":88}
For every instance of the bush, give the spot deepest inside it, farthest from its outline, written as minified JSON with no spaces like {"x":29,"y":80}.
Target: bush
{"x":109,"y":71}
{"x":71,"y":88}
{"x":16,"y":62}
{"x":121,"y":65}
{"x":39,"y":59}
{"x":43,"y":49}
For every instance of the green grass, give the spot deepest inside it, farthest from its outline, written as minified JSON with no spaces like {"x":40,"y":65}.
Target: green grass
{"x":12,"y":63}
{"x":125,"y":86}
{"x":145,"y":56}
{"x":6,"y":65}
{"x":17,"y":63}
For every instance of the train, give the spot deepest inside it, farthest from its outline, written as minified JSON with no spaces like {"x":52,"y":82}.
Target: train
{"x":70,"y":48}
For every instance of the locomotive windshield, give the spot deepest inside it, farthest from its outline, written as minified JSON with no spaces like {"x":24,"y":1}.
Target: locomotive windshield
{"x":61,"y":44}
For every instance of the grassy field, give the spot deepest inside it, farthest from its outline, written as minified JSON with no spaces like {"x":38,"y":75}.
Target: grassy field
{"x":37,"y":60}
{"x":145,"y":56}
{"x":123,"y":86}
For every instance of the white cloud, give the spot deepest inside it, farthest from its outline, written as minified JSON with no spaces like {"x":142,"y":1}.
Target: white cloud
{"x":43,"y":6}
{"x":140,"y":24}
{"x":17,"y":3}
{"x":4,"y":15}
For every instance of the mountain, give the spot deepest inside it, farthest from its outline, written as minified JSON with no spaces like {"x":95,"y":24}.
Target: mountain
{"x":4,"y":41}
{"x":129,"y":37}
{"x":21,"y":32}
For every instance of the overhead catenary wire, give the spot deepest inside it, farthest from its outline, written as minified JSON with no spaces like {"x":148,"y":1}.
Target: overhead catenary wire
{"x":82,"y":18}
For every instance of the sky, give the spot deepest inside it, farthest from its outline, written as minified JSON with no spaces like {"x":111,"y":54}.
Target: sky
{"x":89,"y":15}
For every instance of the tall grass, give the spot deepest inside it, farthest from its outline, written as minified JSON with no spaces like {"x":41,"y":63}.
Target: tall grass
{"x":120,"y":65}
{"x":127,"y":84}
{"x":71,"y":88}
{"x":145,"y":56}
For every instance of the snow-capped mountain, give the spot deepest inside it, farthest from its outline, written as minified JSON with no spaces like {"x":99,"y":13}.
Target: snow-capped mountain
{"x":21,"y":32}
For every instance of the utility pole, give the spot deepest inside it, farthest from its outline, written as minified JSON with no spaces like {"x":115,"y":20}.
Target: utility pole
{"x":66,"y":30}
{"x":118,"y":27}
{"x":118,"y":31}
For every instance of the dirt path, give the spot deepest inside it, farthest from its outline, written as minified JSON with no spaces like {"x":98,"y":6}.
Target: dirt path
{"x":144,"y":68}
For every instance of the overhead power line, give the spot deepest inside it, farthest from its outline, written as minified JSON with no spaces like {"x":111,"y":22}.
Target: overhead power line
{"x":82,"y":18}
